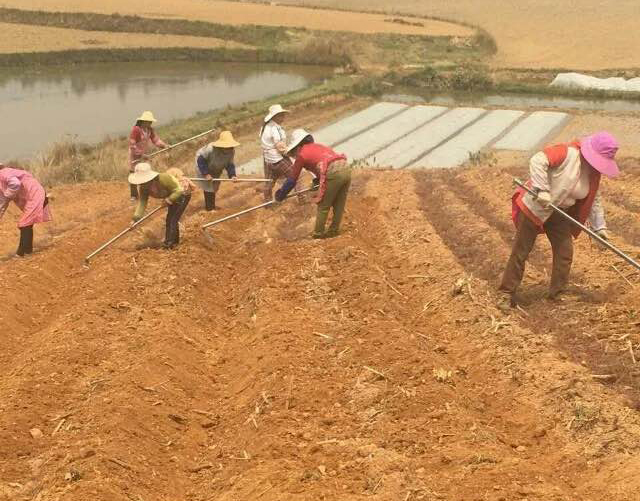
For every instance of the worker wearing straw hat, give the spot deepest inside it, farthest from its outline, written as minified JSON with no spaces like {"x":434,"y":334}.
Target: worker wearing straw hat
{"x":27,"y":193}
{"x":567,"y":176}
{"x":333,"y":177}
{"x":163,"y":186}
{"x":211,"y":160}
{"x":141,"y":138}
{"x":273,"y":140}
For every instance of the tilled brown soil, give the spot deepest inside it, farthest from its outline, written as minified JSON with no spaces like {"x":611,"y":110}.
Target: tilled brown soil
{"x":256,"y":363}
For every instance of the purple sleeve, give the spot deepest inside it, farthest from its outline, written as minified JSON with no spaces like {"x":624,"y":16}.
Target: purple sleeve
{"x":231,"y":170}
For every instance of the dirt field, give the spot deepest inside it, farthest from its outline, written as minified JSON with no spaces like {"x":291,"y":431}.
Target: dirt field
{"x":256,"y":363}
{"x":587,"y":35}
{"x":239,"y":13}
{"x":26,"y":38}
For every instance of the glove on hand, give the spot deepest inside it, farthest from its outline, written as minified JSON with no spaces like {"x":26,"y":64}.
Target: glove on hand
{"x":284,"y":190}
{"x":604,"y":234}
{"x":544,"y":199}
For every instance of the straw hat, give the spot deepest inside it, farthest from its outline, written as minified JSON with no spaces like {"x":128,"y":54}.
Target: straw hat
{"x":274,"y":110}
{"x":147,"y":116}
{"x":296,"y":137}
{"x":225,"y":140}
{"x":143,"y":174}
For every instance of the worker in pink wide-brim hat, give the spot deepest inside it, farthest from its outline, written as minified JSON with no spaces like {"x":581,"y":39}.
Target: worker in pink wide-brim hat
{"x":20,"y":187}
{"x":568,"y":176}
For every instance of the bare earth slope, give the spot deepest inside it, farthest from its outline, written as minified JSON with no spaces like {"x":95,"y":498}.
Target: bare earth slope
{"x":255,"y":363}
{"x":588,"y":35}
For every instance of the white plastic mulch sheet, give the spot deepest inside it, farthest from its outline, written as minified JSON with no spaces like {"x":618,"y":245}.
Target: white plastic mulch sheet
{"x":398,"y":136}
{"x":386,"y":133}
{"x":530,"y":132}
{"x":339,"y":131}
{"x":355,"y":124}
{"x":471,"y":140}
{"x":415,"y":145}
{"x":580,"y":81}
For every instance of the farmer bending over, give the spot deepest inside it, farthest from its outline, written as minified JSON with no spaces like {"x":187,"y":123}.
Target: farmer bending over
{"x":568,"y":176}
{"x":333,"y":175}
{"x":165,"y":187}
{"x":211,"y":160}
{"x":28,"y":194}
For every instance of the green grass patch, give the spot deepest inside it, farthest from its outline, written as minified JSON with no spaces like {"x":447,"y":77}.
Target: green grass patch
{"x":508,"y":87}
{"x":465,"y":77}
{"x":478,"y":78}
{"x":219,"y":54}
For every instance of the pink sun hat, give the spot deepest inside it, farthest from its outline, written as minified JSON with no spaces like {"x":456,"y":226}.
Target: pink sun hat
{"x":599,"y":150}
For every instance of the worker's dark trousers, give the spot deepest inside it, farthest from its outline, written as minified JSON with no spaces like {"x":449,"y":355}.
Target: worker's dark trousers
{"x":26,"y":241}
{"x":209,"y":200}
{"x":133,"y":189}
{"x":174,"y":213}
{"x":558,"y":231}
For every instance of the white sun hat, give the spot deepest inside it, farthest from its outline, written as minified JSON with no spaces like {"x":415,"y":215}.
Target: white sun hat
{"x":143,"y":174}
{"x":274,"y":110}
{"x":296,"y":137}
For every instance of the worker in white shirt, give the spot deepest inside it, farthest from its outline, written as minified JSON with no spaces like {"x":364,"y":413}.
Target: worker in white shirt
{"x":273,"y":139}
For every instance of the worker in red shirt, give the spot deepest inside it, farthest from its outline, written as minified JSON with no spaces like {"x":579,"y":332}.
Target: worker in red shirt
{"x":141,"y":139}
{"x":333,"y":178}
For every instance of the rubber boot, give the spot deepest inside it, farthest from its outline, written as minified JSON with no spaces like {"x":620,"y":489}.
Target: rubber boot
{"x":209,"y":201}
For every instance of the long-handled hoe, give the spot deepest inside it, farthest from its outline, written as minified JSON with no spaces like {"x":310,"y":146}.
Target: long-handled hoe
{"x":207,"y":184}
{"x":261,"y":206}
{"x":122,"y":233}
{"x":237,"y":180}
{"x":172,"y":146}
{"x":592,"y":234}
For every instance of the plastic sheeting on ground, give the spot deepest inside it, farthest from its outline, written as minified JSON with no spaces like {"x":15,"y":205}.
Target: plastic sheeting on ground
{"x":580,"y":81}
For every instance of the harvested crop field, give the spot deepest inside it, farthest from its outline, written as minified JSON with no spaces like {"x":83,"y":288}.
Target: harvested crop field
{"x":248,"y":13}
{"x":255,"y":363}
{"x":587,"y":35}
{"x":27,"y":38}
